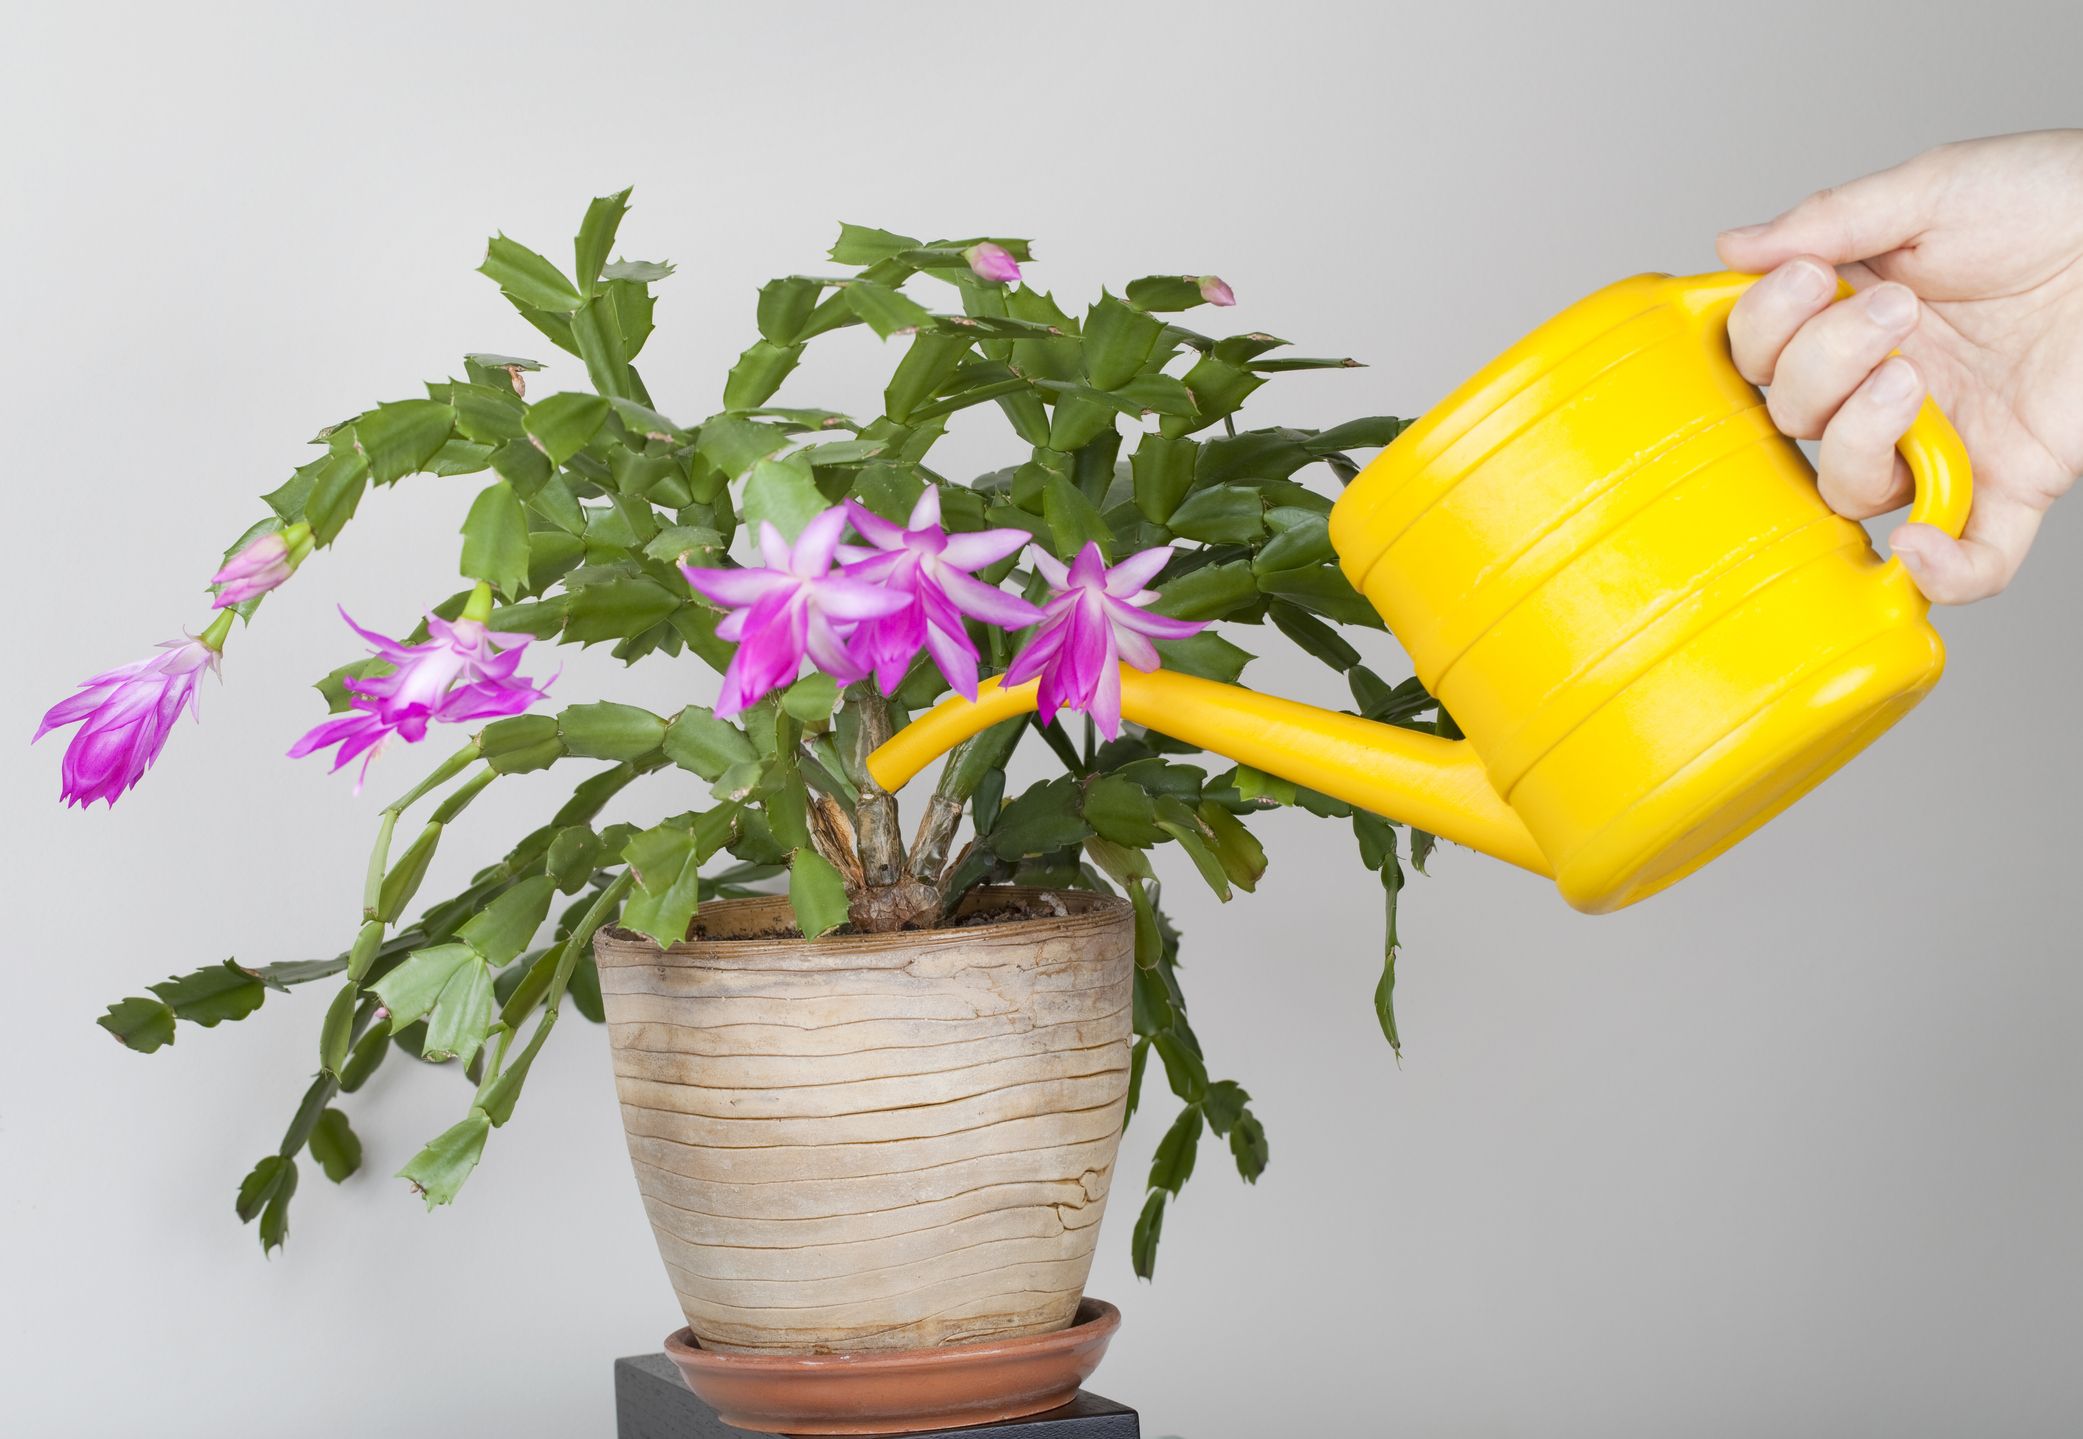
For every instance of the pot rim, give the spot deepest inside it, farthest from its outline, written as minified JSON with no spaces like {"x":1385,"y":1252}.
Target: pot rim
{"x":1086,"y":909}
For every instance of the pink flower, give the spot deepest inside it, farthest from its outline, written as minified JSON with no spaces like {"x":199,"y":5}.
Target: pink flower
{"x":1095,"y":624}
{"x":125,"y":716}
{"x":254,"y":570}
{"x":931,"y":569}
{"x":793,"y":607}
{"x":992,"y":262}
{"x":456,"y":676}
{"x":1215,"y":292}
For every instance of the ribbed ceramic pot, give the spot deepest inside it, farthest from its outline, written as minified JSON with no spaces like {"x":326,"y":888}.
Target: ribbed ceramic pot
{"x":889,"y":1141}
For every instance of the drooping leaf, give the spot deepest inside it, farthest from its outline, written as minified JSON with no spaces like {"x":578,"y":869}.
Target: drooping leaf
{"x":139,"y":1023}
{"x":264,"y":1194}
{"x":816,"y":893}
{"x":503,"y":928}
{"x":411,"y":989}
{"x":1121,"y":810}
{"x":1044,"y":818}
{"x":1225,"y":1105}
{"x":1248,"y":1147}
{"x":1173,"y":1164}
{"x":335,"y":1146}
{"x":1149,"y":1229}
{"x":438,"y":1171}
{"x":214,"y":994}
{"x":462,"y":1014}
{"x":664,"y":862}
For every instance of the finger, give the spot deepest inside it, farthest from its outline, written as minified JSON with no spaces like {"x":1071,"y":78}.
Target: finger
{"x":1978,"y":564}
{"x":1858,"y":469}
{"x":1770,"y":312}
{"x":1832,"y":355}
{"x":1867,"y":217}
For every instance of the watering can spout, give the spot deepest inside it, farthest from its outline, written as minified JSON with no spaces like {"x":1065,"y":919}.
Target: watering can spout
{"x":1418,"y":779}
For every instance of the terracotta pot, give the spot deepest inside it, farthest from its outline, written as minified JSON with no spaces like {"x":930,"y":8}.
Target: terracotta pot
{"x":890,"y":1141}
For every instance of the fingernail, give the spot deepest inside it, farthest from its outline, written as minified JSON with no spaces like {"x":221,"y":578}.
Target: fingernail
{"x":1911,"y":559}
{"x":1892,"y":307}
{"x":1893,"y":383}
{"x":1744,"y":232}
{"x":1808,"y":281}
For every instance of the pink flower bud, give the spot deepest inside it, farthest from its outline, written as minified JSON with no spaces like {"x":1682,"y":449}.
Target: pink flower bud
{"x":382,"y":1013}
{"x":992,"y":262}
{"x":254,"y":570}
{"x":1215,"y":292}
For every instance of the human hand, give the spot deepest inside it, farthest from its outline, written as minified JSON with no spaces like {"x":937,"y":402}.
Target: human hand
{"x":1968,"y":259}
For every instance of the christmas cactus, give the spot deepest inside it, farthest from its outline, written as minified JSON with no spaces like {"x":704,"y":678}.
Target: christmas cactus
{"x":837,"y":582}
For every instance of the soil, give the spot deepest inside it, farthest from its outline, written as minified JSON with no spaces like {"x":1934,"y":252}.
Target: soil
{"x":989,"y":909}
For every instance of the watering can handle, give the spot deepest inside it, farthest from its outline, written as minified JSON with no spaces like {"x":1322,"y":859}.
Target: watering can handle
{"x":1931,"y":446}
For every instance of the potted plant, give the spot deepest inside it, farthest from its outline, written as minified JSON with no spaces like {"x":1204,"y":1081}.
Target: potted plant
{"x":872,"y":1085}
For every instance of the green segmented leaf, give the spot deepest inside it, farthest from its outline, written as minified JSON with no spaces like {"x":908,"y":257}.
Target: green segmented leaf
{"x":886,"y":311}
{"x":139,"y":1023}
{"x":597,"y":236}
{"x":495,"y":540}
{"x":527,"y":278}
{"x":438,"y":1171}
{"x":335,"y":1146}
{"x":1173,"y":1164}
{"x":816,"y":893}
{"x":1149,"y":1229}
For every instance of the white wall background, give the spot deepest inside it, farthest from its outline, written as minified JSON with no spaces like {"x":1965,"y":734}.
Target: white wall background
{"x":1793,"y":1150}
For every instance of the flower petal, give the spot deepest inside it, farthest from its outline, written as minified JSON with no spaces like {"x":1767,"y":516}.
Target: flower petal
{"x":925,"y":515}
{"x":956,"y":661}
{"x":1035,"y":655}
{"x":1135,"y":650}
{"x":851,"y":599}
{"x":1164,"y":627}
{"x":1089,"y":569}
{"x":735,"y":588}
{"x":812,"y":559}
{"x":977,"y":548}
{"x":873,"y":528}
{"x":1049,"y":567}
{"x":987,"y":602}
{"x":1133,"y":573}
{"x":773,"y":546}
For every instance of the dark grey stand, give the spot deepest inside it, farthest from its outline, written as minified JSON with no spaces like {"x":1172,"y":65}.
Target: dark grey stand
{"x":652,"y":1403}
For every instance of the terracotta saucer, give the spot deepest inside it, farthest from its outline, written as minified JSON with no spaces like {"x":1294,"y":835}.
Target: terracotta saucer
{"x":898,"y":1391}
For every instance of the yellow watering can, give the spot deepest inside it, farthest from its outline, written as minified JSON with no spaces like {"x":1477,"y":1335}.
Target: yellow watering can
{"x":1620,"y":580}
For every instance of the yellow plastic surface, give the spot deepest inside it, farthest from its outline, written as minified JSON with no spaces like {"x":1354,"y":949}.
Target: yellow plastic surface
{"x":1623,"y":584}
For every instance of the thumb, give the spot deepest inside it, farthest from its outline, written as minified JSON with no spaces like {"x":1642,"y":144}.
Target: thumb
{"x":1978,"y":564}
{"x":1840,"y":225}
